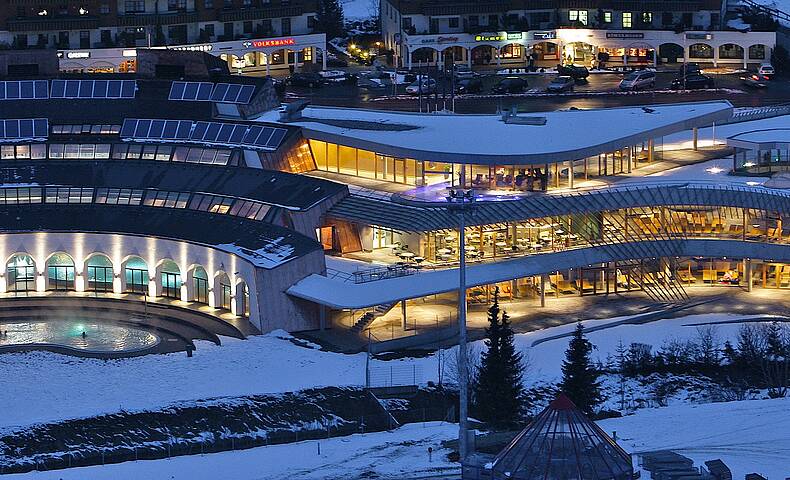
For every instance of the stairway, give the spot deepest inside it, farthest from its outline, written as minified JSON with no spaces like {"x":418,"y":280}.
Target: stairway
{"x":367,"y":318}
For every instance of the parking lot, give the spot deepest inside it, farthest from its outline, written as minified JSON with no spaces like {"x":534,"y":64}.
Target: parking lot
{"x":597,"y":91}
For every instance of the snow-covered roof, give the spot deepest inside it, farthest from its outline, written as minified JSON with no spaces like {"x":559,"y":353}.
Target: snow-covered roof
{"x":533,"y":138}
{"x":336,"y":293}
{"x":774,"y":138}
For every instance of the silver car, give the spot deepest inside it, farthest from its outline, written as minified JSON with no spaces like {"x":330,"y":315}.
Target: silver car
{"x":638,"y":80}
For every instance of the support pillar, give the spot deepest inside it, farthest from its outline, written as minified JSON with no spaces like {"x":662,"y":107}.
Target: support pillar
{"x":321,"y":317}
{"x":543,"y":290}
{"x":650,"y":149}
{"x":748,"y":274}
{"x":323,"y":57}
{"x":695,"y":137}
{"x":570,"y":173}
{"x":268,"y":61}
{"x":403,"y":314}
{"x":655,"y":57}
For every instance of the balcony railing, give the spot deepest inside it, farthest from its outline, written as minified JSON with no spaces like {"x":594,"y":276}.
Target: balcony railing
{"x":260,"y":13}
{"x":40,"y":24}
{"x":137,"y":19}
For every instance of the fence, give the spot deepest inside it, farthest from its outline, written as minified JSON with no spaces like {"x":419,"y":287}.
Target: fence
{"x":758,"y":113}
{"x":380,"y":376}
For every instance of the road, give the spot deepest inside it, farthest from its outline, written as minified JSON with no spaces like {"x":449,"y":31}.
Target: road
{"x":601,"y":91}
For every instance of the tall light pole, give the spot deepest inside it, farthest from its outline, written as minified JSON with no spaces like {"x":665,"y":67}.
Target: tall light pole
{"x":459,"y":201}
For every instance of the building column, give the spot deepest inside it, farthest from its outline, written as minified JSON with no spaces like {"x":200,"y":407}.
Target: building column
{"x":650,"y":148}
{"x":268,"y":61}
{"x":408,"y":59}
{"x":468,"y":57}
{"x":695,"y":136}
{"x":630,"y":158}
{"x":543,"y":290}
{"x":715,"y":56}
{"x":748,"y":274}
{"x":323,"y":57}
{"x":403,"y":314}
{"x":570,"y":173}
{"x":655,"y":57}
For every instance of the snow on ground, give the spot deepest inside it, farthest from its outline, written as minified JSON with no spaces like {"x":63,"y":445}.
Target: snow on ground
{"x":715,"y":170}
{"x":81,"y":387}
{"x":359,"y":9}
{"x":400,"y":454}
{"x":749,"y":436}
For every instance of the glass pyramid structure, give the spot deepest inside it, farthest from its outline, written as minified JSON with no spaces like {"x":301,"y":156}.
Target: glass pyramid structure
{"x":562,"y":444}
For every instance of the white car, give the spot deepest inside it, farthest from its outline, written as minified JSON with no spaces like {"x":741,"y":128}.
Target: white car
{"x":638,"y":80}
{"x":766,"y":70}
{"x":428,"y":86}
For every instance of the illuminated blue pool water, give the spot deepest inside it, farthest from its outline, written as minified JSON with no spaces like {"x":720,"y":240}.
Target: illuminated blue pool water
{"x":99,"y":337}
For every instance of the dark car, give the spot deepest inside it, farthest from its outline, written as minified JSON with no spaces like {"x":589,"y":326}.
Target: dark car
{"x":692,"y":82}
{"x":561,"y":84}
{"x":310,"y":80}
{"x":510,"y":85}
{"x":469,"y":85}
{"x":573,"y":71}
{"x":688,"y":69}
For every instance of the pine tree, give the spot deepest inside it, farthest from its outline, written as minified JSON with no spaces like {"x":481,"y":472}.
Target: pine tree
{"x":579,"y":378}
{"x":329,"y":19}
{"x":498,"y":391}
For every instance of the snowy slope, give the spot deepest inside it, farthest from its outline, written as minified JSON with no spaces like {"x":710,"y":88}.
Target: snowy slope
{"x":749,"y":436}
{"x":48,"y":387}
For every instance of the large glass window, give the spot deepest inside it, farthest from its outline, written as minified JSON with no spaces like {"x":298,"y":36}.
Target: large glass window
{"x":100,"y":274}
{"x":69,"y":195}
{"x":21,"y":271}
{"x":60,"y":272}
{"x":119,"y":196}
{"x":627,"y":19}
{"x":136,"y":274}
{"x":200,"y":285}
{"x":171,"y":280}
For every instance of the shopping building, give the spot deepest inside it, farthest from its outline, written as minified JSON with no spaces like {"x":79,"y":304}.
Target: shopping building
{"x":590,"y":33}
{"x":102,"y":36}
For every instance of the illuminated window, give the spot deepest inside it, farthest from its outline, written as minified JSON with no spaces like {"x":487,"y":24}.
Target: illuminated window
{"x":626,"y":19}
{"x":647,"y":18}
{"x":607,"y":17}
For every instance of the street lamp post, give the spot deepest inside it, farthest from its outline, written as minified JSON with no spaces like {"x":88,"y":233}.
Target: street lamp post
{"x":459,"y":201}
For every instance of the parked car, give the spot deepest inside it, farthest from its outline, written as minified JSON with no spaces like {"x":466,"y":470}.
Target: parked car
{"x":692,"y":82}
{"x":305,"y":79}
{"x":638,"y":80}
{"x":573,"y":71}
{"x":469,"y":85}
{"x":422,"y":86}
{"x":510,"y":85}
{"x":766,"y":70}
{"x":561,"y":84}
{"x":688,"y":69}
{"x":755,"y":80}
{"x":462,"y":71}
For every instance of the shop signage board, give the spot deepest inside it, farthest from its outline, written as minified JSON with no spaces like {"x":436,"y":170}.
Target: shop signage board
{"x":699,"y":36}
{"x":544,"y":35}
{"x":625,"y":35}
{"x":275,"y":42}
{"x":514,"y":36}
{"x":489,"y":37}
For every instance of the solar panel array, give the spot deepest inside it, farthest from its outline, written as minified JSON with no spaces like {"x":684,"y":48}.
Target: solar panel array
{"x":254,"y":136}
{"x":24,"y":90}
{"x":114,"y":89}
{"x":156,"y":129}
{"x":193,"y":91}
{"x":204,"y":91}
{"x":25,"y":128}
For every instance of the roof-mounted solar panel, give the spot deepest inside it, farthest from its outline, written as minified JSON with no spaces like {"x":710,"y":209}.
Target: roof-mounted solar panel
{"x":128,"y":127}
{"x":204,"y":91}
{"x":199,"y":131}
{"x":58,"y":89}
{"x":245,"y":96}
{"x":100,"y":88}
{"x":40,"y":127}
{"x":177,"y":91}
{"x":276,"y":138}
{"x":170,"y":129}
{"x":24,"y":128}
{"x":85,"y":89}
{"x":224,"y":133}
{"x":220,"y":89}
{"x":252,"y":134}
{"x":238,"y":134}
{"x":263,"y":138}
{"x":157,"y":128}
{"x":232,"y":95}
{"x":184,"y":129}
{"x":191,"y":91}
{"x":212,"y":132}
{"x":114,"y":90}
{"x":128,"y":88}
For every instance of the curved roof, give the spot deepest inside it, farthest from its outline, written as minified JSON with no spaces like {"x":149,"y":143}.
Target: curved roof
{"x":487,"y":139}
{"x":294,"y":192}
{"x":263,"y":245}
{"x":424,"y":216}
{"x":772,"y":138}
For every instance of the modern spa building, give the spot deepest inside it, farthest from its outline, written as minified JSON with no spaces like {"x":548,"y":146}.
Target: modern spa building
{"x":202,"y":194}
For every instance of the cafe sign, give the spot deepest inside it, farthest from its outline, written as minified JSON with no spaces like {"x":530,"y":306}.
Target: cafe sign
{"x":440,"y":40}
{"x":699,"y":36}
{"x":514,"y":36}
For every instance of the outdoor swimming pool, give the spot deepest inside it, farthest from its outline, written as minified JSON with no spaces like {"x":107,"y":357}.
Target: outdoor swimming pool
{"x":99,"y":337}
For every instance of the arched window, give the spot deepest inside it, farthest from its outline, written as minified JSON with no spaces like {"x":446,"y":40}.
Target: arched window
{"x":21,"y":273}
{"x":100,"y":274}
{"x":60,"y":272}
{"x":171,"y":280}
{"x":200,"y":284}
{"x":136,"y":275}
